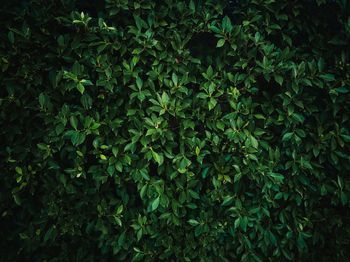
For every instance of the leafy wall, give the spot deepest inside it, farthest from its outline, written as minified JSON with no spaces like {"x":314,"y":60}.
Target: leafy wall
{"x":174,"y":130}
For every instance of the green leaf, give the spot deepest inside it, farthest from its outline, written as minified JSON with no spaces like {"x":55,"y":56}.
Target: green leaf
{"x":279,"y":195}
{"x":158,"y":157}
{"x":287,"y":136}
{"x":243,"y":223}
{"x":11,"y":37}
{"x":86,"y":82}
{"x":86,"y":101}
{"x":193,"y":222}
{"x":165,"y":98}
{"x":277,"y":176}
{"x":212,"y":103}
{"x":279,"y":79}
{"x":220,"y":43}
{"x":139,"y":82}
{"x":155,"y":203}
{"x":42,"y":100}
{"x":74,"y":122}
{"x":174,"y":79}
{"x":80,"y":88}
{"x":342,"y":90}
{"x":120,"y":209}
{"x":254,"y":142}
{"x":19,"y":170}
{"x":197,"y":151}
{"x":346,"y":138}
{"x":257,"y":37}
{"x":192,"y":7}
{"x":205,"y":172}
{"x":193,"y":194}
{"x":77,"y":138}
{"x":328,"y":77}
{"x":343,"y":198}
{"x":226,"y":24}
{"x":237,"y":222}
{"x":227,"y":201}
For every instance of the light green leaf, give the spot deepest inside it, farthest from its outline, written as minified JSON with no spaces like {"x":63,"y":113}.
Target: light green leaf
{"x":81,"y":88}
{"x":193,"y":222}
{"x":74,"y":122}
{"x":175,"y":79}
{"x":139,"y":82}
{"x":220,"y":43}
{"x":155,"y":203}
{"x":254,"y":142}
{"x":158,"y":157}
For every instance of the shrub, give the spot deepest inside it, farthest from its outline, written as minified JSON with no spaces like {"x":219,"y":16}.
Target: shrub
{"x":175,"y":130}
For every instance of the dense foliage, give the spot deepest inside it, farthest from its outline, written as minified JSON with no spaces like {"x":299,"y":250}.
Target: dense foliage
{"x":174,"y":130}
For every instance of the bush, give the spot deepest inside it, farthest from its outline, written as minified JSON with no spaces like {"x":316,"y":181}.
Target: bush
{"x":175,"y":130}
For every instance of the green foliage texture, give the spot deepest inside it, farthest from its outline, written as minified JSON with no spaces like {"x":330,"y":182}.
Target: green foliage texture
{"x":174,"y":130}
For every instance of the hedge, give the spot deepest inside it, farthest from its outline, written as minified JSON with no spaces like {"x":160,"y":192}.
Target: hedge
{"x":175,"y":130}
